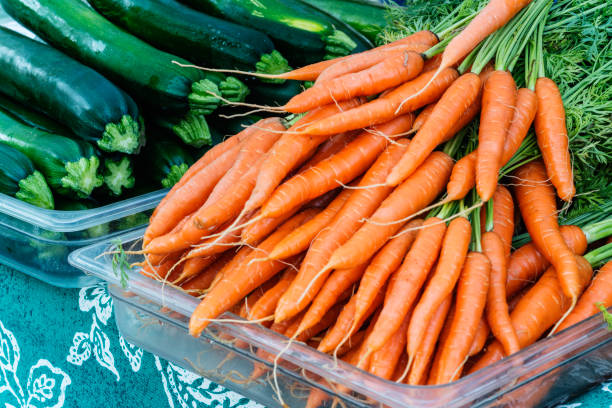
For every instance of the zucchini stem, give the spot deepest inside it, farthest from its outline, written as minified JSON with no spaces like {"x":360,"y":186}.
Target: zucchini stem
{"x":82,"y":176}
{"x":202,"y":99}
{"x":272,"y":64}
{"x":126,"y":136}
{"x":175,"y":174}
{"x":118,"y":175}
{"x":233,"y":90}
{"x":35,"y":190}
{"x":338,"y":44}
{"x":193,"y":130}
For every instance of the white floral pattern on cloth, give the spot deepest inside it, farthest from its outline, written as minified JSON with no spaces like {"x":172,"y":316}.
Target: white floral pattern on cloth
{"x":45,"y":385}
{"x":185,"y":389}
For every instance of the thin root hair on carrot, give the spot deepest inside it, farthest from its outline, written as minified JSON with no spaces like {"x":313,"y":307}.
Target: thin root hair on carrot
{"x":239,"y":115}
{"x":404,"y":373}
{"x":433,"y":78}
{"x":349,"y":187}
{"x":408,"y":218}
{"x":275,"y":369}
{"x":385,"y":136}
{"x":247,"y":105}
{"x":562,"y":319}
{"x":228,"y":71}
{"x":324,"y":270}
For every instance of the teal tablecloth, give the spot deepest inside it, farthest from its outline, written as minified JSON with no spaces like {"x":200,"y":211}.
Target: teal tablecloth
{"x":60,"y":348}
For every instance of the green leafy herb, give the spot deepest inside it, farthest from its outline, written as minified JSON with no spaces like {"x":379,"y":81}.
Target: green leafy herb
{"x":121,"y":266}
{"x":606,"y":315}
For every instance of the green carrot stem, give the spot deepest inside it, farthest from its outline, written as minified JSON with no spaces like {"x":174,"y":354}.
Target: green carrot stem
{"x":599,"y":230}
{"x":437,"y":49}
{"x":600,"y":255}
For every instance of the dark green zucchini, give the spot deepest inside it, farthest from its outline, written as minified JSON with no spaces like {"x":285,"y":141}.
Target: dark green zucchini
{"x":176,"y":28}
{"x":70,"y":166}
{"x":44,"y":79}
{"x":32,"y":118}
{"x":165,"y":162}
{"x":303,"y":34}
{"x":273,"y":94}
{"x":148,"y":74}
{"x":19,"y":179}
{"x":367,"y":18}
{"x":118,"y":175}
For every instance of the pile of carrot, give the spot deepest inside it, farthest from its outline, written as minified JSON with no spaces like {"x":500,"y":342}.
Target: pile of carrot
{"x":368,"y":230}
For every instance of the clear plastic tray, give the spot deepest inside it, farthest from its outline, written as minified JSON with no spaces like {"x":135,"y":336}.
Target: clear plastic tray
{"x":38,"y":241}
{"x":153,"y":317}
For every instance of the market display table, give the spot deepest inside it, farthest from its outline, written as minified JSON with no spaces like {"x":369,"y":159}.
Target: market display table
{"x":61,"y":348}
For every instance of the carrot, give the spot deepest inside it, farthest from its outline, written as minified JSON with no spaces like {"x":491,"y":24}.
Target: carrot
{"x":471,"y":299}
{"x":433,"y":63}
{"x":266,"y":304}
{"x":253,"y":297}
{"x":340,"y":168}
{"x":325,"y":320}
{"x":380,"y":268}
{"x":360,"y":204}
{"x":598,"y":293}
{"x":408,"y":282}
{"x":498,"y":102}
{"x":201,"y":282}
{"x":494,"y":15}
{"x":416,"y":192}
{"x":299,"y":239}
{"x":290,"y":151}
{"x":345,"y":327}
{"x":457,"y":98}
{"x":541,"y":307}
{"x":267,"y":133}
{"x":194,"y":266}
{"x":503,"y":217}
{"x":497,"y":313}
{"x":159,"y":272}
{"x":463,"y":177}
{"x":422,"y":359}
{"x":339,"y":281}
{"x":553,"y":141}
{"x":383,"y":109}
{"x":452,"y":256}
{"x":233,"y":263}
{"x":395,"y":69}
{"x":526,"y":264}
{"x":255,"y":232}
{"x":236,"y":283}
{"x":384,"y":361}
{"x":216,"y":245}
{"x":328,"y":148}
{"x":189,"y":197}
{"x":417,"y":42}
{"x":536,"y":200}
{"x":422,"y":117}
{"x":482,"y":335}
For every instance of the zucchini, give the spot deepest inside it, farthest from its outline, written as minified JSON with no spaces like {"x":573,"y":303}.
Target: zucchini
{"x":165,"y":162}
{"x":176,"y":28}
{"x":39,"y":76}
{"x":118,"y":174}
{"x":70,"y":166}
{"x":148,"y":74}
{"x":303,"y":34}
{"x":32,"y":118}
{"x":19,"y":179}
{"x":274,"y":94}
{"x":367,"y":18}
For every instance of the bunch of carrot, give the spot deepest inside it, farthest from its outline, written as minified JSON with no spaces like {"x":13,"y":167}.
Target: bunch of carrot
{"x":350,"y":230}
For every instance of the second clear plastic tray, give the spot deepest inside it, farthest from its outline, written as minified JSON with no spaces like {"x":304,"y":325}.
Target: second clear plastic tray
{"x":154,"y":317}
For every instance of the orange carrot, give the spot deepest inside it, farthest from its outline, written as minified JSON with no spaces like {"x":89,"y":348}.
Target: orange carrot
{"x":338,"y":282}
{"x":266,"y":304}
{"x":366,"y":59}
{"x":541,"y":307}
{"x":452,"y":256}
{"x":598,"y":293}
{"x":503,"y":217}
{"x":384,"y":361}
{"x":216,"y":245}
{"x":324,"y":321}
{"x":330,"y":147}
{"x":236,"y":283}
{"x":497,"y":313}
{"x":194,"y":266}
{"x":422,"y":359}
{"x":190,"y":196}
{"x":299,"y":239}
{"x":200,"y":283}
{"x":255,"y":232}
{"x":471,"y":299}
{"x":340,"y":168}
{"x":553,"y":141}
{"x":407,"y":283}
{"x":290,"y":151}
{"x":536,"y":200}
{"x":267,"y":133}
{"x":345,"y":328}
{"x":455,"y":100}
{"x":463,"y":177}
{"x":362,"y":203}
{"x":433,"y":63}
{"x":526,"y":264}
{"x":482,"y":335}
{"x":494,"y":15}
{"x":422,"y":117}
{"x":498,"y":103}
{"x":416,"y":192}
{"x":396,"y":68}
{"x":253,"y":297}
{"x":383,"y":109}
